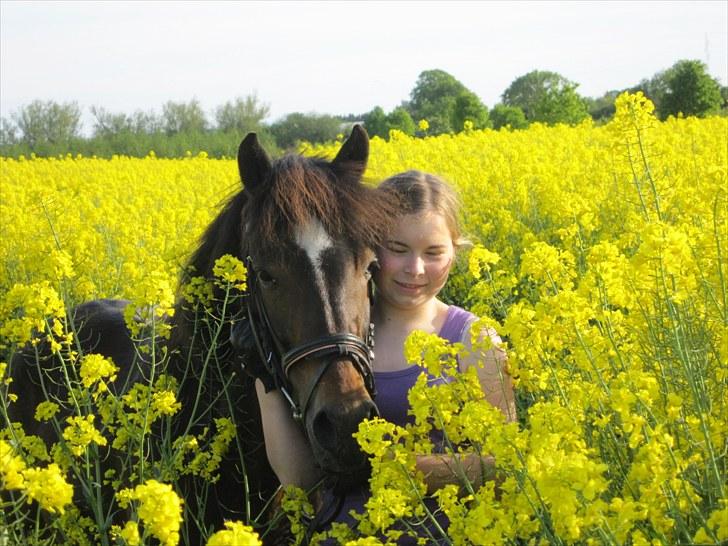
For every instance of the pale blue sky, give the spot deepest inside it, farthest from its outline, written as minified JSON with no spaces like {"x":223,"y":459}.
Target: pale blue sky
{"x":336,"y":57}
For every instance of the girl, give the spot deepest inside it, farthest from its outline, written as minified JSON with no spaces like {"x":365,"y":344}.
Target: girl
{"x":415,"y":262}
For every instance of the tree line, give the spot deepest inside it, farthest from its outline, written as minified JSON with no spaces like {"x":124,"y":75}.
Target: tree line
{"x":437,"y":104}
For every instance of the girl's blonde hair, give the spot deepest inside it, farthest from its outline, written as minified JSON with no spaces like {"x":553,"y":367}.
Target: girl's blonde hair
{"x":419,"y":192}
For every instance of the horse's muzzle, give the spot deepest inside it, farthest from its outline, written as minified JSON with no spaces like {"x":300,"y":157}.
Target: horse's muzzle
{"x":331,"y":433}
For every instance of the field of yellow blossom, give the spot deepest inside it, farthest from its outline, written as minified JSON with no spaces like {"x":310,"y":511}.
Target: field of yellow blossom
{"x":599,"y":255}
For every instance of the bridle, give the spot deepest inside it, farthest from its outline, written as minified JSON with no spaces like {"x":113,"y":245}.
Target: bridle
{"x":278,"y":361}
{"x":273,"y":363}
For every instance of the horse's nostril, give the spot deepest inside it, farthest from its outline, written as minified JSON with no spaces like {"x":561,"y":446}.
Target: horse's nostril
{"x":372,"y":412}
{"x":333,"y":431}
{"x":324,"y":431}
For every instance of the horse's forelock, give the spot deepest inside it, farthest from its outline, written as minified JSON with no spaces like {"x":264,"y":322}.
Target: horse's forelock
{"x":302,"y":189}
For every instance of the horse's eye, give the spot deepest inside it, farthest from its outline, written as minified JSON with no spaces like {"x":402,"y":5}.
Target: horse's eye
{"x":266,"y":279}
{"x":371,"y":269}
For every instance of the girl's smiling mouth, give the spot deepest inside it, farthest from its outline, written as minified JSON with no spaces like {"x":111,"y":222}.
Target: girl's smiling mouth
{"x":409,"y":286}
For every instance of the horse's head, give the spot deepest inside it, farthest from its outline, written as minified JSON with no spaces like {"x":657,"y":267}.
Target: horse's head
{"x":309,"y":229}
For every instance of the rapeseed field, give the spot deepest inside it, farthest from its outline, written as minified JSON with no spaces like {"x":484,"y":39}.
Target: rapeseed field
{"x":598,"y":253}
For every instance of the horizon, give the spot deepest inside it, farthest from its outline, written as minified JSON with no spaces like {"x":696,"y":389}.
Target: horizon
{"x":336,"y":58}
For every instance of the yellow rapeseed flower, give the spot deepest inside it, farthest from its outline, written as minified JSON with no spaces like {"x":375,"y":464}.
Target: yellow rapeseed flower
{"x":633,"y":111}
{"x":230,"y":269}
{"x":49,"y":487}
{"x":130,"y":533}
{"x":81,"y":432}
{"x":235,"y":534}
{"x":159,"y":509}
{"x":46,"y":410}
{"x":11,"y":467}
{"x":95,"y":367}
{"x":165,"y":403}
{"x":480,"y":258}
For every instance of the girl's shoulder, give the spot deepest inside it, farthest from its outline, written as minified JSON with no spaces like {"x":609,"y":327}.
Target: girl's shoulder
{"x":457,"y":324}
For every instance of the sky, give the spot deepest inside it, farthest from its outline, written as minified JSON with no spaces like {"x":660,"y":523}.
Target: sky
{"x":336,"y":57}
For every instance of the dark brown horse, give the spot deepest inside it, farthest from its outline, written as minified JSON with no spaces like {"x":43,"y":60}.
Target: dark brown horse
{"x":306,"y":228}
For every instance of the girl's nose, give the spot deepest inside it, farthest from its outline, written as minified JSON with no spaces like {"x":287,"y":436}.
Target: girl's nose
{"x":415,"y":266}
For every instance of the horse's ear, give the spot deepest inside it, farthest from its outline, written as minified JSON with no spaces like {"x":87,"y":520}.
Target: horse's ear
{"x":354,"y":153}
{"x":253,"y":162}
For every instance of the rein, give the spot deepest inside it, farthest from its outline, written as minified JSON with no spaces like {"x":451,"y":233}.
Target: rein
{"x":278,"y":362}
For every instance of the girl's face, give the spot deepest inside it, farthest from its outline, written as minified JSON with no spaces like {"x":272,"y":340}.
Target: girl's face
{"x":415,"y":260}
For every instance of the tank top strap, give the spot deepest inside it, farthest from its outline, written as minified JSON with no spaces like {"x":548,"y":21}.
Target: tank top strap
{"x":456,"y":323}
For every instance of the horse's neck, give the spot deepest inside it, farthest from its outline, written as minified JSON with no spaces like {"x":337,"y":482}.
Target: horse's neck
{"x":223,"y":236}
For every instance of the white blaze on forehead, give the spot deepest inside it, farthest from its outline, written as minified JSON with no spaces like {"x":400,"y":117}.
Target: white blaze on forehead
{"x":314,"y":240}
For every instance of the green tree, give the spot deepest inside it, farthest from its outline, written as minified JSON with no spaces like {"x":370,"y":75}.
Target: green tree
{"x":183,"y":117}
{"x":146,"y":122}
{"x":507,"y":116}
{"x":602,"y":108}
{"x":375,"y":122}
{"x":690,"y":90}
{"x":296,"y":127}
{"x":400,"y":119}
{"x":8,"y":132}
{"x":468,"y":107}
{"x":525,"y":91}
{"x":562,"y":105}
{"x":48,"y":122}
{"x":108,"y":123}
{"x":243,"y":115}
{"x":433,"y":98}
{"x":547,"y":97}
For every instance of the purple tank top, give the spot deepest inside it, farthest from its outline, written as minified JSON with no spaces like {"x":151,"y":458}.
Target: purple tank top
{"x":392,"y":387}
{"x":391,"y":399}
